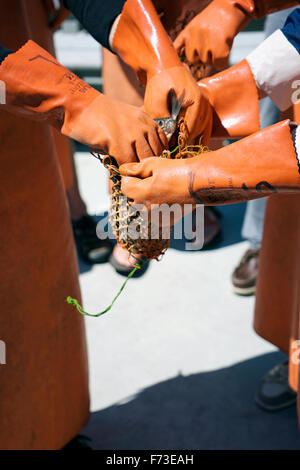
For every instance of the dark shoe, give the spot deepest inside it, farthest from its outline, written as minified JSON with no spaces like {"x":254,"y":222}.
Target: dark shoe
{"x":274,"y":393}
{"x":90,"y":247}
{"x":245,"y":274}
{"x":80,"y":442}
{"x":124,"y":264}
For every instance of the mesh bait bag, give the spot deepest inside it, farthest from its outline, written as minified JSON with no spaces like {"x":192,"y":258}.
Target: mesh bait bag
{"x":125,"y":220}
{"x":130,"y":229}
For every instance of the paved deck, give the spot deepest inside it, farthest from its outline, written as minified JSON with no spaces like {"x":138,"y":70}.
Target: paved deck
{"x":176,"y":363}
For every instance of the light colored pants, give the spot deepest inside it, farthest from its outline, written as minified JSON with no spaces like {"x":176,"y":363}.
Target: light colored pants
{"x":253,"y":224}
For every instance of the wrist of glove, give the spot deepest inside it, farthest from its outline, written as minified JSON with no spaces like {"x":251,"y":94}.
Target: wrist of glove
{"x":234,"y":98}
{"x":40,"y":88}
{"x":140,"y":39}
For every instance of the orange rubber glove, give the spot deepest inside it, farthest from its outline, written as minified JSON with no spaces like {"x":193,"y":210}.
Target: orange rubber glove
{"x":234,"y":97}
{"x":139,"y":38}
{"x":40,"y":88}
{"x":262,"y":164}
{"x":209,"y":36}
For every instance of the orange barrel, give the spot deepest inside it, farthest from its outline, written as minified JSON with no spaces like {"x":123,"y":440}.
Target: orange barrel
{"x":44,"y":399}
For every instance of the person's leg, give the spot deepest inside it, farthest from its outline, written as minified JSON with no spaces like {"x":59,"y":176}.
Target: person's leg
{"x":252,"y":229}
{"x":276,"y":309}
{"x":277,"y":298}
{"x":253,"y":224}
{"x":245,"y":274}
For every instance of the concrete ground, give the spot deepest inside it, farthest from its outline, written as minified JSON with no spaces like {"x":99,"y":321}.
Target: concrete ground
{"x":175,"y":364}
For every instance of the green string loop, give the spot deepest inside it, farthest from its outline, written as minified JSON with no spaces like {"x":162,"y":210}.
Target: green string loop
{"x":76,"y":304}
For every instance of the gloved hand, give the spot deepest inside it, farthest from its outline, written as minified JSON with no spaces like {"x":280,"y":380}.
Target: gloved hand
{"x":139,"y":38}
{"x":198,"y":112}
{"x":257,"y":166}
{"x":209,"y":36}
{"x":40,"y":88}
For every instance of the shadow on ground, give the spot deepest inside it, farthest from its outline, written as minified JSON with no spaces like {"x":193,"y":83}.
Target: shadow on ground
{"x":231,"y":220}
{"x":209,"y":410}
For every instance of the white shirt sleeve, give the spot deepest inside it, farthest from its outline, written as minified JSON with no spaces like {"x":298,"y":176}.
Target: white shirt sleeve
{"x":275,"y":64}
{"x":112,"y":32}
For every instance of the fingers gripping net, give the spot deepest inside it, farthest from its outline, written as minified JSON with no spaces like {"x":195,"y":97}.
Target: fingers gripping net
{"x":125,"y":220}
{"x":183,"y":150}
{"x":132,"y":232}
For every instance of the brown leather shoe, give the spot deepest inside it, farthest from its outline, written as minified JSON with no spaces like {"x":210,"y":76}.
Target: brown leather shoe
{"x":245,"y":274}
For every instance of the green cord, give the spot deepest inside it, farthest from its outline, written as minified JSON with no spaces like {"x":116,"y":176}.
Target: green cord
{"x":140,"y":263}
{"x":76,"y":304}
{"x":170,"y":152}
{"x":175,"y":149}
{"x":112,"y":168}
